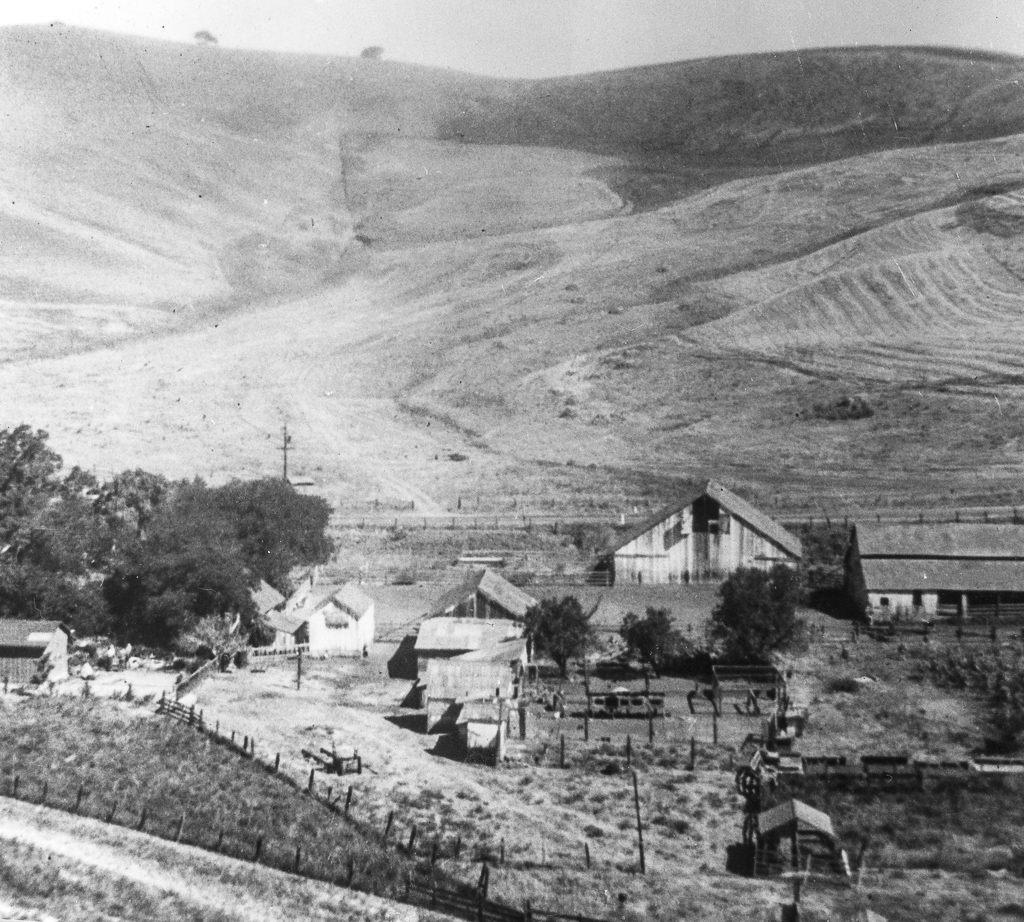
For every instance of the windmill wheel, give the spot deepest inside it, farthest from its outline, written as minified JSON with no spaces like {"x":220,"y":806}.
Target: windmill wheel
{"x":748,"y":782}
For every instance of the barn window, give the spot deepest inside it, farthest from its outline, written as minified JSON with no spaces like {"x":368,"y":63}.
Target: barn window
{"x":724,"y":525}
{"x":673,"y":536}
{"x":918,"y":600}
{"x":884,"y":601}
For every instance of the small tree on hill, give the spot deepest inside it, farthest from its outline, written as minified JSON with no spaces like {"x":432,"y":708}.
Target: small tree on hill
{"x":653,"y":639}
{"x":372,"y":53}
{"x":756,"y":614}
{"x":203,"y":37}
{"x":560,"y":629}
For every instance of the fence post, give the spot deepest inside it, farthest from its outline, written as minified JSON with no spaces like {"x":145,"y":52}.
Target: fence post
{"x":181,"y":825}
{"x":220,"y":840}
{"x":46,"y":789}
{"x":298,"y":857}
{"x":78,"y":799}
{"x":387,"y":825}
{"x":309,"y":787}
{"x":277,"y":763}
{"x":351,"y":872}
{"x":191,"y":715}
{"x":458,"y":845}
{"x":113,"y":810}
{"x":629,"y":751}
{"x":17,"y":779}
{"x":142,"y":819}
{"x":259,"y":849}
{"x":561,"y":757}
{"x":348,"y":799}
{"x":714,"y":726}
{"x":650,"y":727}
{"x":586,"y":853}
{"x":693,"y":753}
{"x":586,"y":727}
{"x":412,"y":840}
{"x":639,"y":826}
{"x":501,"y":852}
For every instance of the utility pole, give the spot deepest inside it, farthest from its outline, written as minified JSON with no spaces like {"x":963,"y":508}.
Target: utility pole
{"x":285,"y":442}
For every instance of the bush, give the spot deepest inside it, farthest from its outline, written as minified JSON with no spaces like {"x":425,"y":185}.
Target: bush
{"x":855,"y":407}
{"x":756,"y":614}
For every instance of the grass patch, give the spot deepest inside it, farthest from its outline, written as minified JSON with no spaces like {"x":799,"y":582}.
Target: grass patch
{"x":125,"y":763}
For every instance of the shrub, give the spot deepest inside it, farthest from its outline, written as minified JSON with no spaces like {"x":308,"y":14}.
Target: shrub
{"x":756,"y":614}
{"x":855,"y":407}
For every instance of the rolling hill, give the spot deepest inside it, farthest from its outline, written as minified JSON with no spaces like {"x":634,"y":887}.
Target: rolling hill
{"x":588,"y":286}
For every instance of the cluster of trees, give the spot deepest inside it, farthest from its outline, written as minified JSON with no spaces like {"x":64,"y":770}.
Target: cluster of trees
{"x":754,"y":618}
{"x":143,"y":558}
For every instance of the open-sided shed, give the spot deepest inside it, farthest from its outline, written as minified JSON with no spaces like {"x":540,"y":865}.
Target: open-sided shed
{"x":792,"y":833}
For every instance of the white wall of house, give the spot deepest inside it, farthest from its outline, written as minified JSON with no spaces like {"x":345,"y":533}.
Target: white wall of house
{"x":345,"y":633}
{"x":890,"y":603}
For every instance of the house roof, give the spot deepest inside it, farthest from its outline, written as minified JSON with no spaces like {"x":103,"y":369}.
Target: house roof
{"x":789,"y":811}
{"x":284,"y":621}
{"x":356,"y":602}
{"x":894,"y":574}
{"x":492,"y":586}
{"x":951,"y":540}
{"x":460,"y":635}
{"x":736,"y":505}
{"x":458,"y":678}
{"x":266,"y":597}
{"x":15,"y":632}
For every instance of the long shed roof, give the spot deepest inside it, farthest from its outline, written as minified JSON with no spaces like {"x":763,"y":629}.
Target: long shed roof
{"x":464,"y":634}
{"x":266,"y":597}
{"x":896,"y":574}
{"x":736,"y":505}
{"x":997,"y":542}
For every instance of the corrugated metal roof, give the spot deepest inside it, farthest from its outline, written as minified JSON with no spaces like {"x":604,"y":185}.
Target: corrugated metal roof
{"x":266,"y":597}
{"x":504,"y":652}
{"x":734,"y":504}
{"x":951,"y":540}
{"x":16,"y":632}
{"x":285,"y":622}
{"x":457,"y":678}
{"x":785,"y":813}
{"x":894,"y":574}
{"x":464,"y":634}
{"x":494,"y":587}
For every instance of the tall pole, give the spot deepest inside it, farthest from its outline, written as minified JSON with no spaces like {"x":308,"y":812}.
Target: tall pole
{"x":639,"y":826}
{"x":285,"y":441}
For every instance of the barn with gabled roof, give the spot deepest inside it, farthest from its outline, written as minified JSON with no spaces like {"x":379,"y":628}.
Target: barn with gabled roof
{"x":704,"y":538}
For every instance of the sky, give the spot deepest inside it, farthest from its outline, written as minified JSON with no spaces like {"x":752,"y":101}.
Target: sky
{"x":541,"y":38}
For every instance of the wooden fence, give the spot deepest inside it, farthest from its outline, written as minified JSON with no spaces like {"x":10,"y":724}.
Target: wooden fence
{"x":304,"y":649}
{"x":196,"y":678}
{"x":421,"y":887}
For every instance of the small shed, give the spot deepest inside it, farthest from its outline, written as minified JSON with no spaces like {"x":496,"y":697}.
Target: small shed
{"x":482,"y":730}
{"x":32,"y":650}
{"x":485,"y":594}
{"x":703,"y":538}
{"x":450,"y":683}
{"x":791,"y":833}
{"x":340,"y":620}
{"x":446,"y":638}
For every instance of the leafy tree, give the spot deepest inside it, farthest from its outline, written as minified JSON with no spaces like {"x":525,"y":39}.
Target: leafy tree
{"x":277,"y":527}
{"x":131,"y":497}
{"x":560,"y":629}
{"x":756,"y":613}
{"x":189,"y":566}
{"x":653,"y":639}
{"x":203,"y":37}
{"x":28,"y":478}
{"x":372,"y":53}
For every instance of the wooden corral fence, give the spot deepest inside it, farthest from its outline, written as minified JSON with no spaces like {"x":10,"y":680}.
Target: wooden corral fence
{"x":964,"y":633}
{"x":193,"y":681}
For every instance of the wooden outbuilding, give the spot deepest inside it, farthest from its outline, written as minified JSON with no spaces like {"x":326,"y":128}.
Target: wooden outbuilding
{"x":446,"y":638}
{"x":790,"y":834}
{"x":704,"y":538}
{"x":290,"y":630}
{"x":340,"y":620}
{"x":929,"y":570}
{"x":450,"y":684}
{"x":33,"y":651}
{"x":482,"y":727}
{"x":484,"y":594}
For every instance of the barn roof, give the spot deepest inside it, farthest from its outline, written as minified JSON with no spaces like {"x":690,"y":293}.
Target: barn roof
{"x":738,"y":506}
{"x":464,"y":634}
{"x":789,"y":811}
{"x":16,"y":632}
{"x":951,"y":540}
{"x":492,"y":586}
{"x":895,"y":574}
{"x":285,"y":621}
{"x":266,"y":597}
{"x":459,"y":678}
